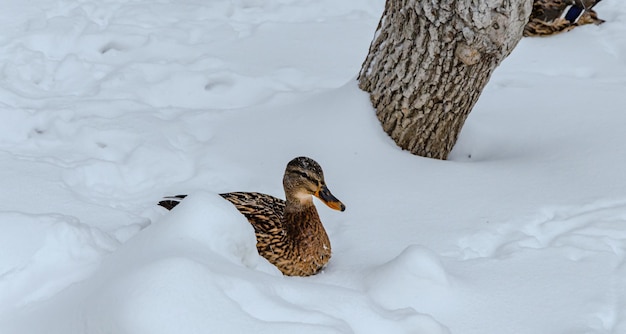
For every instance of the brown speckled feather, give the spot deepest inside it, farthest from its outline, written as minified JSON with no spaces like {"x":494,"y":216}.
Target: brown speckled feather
{"x":264,"y":212}
{"x":547,"y":17}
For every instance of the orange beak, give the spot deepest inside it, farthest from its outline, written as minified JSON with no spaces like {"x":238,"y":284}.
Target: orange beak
{"x":327,"y":197}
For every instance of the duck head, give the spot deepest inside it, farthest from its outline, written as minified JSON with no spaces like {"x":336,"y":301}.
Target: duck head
{"x":304,"y":178}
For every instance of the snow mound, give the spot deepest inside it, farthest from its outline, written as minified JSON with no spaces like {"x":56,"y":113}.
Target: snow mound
{"x":413,"y":278}
{"x":43,"y":254}
{"x":197,"y":270}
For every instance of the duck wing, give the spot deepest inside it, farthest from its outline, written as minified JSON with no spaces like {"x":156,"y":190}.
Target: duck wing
{"x":171,"y":202}
{"x":263,"y":211}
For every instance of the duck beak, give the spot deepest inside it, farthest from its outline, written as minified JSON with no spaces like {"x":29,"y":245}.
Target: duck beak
{"x":325,"y":195}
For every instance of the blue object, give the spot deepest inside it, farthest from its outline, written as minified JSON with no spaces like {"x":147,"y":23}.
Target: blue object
{"x":574,"y":13}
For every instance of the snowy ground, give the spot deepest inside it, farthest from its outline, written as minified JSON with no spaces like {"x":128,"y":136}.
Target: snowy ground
{"x":108,"y":105}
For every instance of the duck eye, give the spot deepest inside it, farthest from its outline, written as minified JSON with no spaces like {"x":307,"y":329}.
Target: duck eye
{"x":303,"y":174}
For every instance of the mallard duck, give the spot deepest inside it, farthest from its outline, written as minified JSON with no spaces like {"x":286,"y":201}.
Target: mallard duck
{"x":289,"y":233}
{"x":550,"y":17}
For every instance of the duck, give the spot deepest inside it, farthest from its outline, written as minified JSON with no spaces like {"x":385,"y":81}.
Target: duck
{"x":550,"y":17}
{"x":289,"y":233}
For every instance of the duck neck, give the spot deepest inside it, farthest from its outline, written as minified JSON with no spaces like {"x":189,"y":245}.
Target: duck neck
{"x":301,"y":220}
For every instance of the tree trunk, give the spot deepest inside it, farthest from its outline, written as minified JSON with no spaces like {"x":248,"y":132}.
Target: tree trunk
{"x":429,"y":62}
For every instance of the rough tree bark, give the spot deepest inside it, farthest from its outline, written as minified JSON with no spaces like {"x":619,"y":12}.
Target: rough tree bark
{"x":430,"y":60}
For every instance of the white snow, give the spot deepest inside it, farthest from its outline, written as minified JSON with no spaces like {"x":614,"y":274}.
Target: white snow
{"x":107,"y":106}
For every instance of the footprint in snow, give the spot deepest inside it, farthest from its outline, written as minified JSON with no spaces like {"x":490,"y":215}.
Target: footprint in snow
{"x":593,"y":228}
{"x":112,"y":46}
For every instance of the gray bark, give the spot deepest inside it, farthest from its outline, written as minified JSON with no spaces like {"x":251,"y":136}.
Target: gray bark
{"x":429,"y":62}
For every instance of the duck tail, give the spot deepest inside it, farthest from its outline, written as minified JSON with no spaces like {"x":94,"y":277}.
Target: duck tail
{"x":171,"y":202}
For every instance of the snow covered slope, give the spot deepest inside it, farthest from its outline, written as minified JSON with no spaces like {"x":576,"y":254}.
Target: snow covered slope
{"x":108,"y":105}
